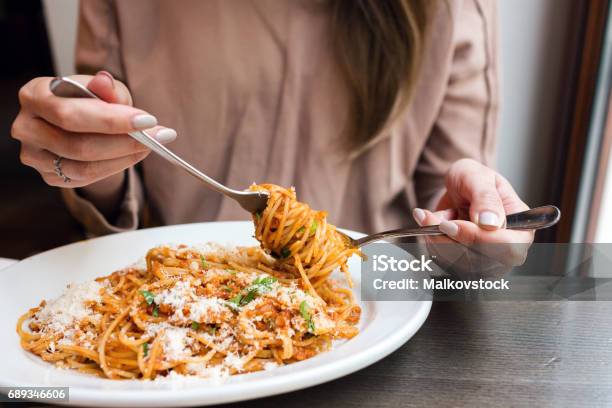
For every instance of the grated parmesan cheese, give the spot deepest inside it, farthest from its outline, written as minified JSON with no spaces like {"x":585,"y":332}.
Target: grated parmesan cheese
{"x":203,"y":308}
{"x":71,"y":307}
{"x":153,"y":328}
{"x":216,"y":372}
{"x":233,"y":361}
{"x":176,"y":296}
{"x":291,"y":295}
{"x":176,"y":343}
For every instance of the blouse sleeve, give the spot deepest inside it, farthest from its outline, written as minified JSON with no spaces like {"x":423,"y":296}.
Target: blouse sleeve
{"x":98,"y":48}
{"x":95,"y":222}
{"x":466,"y":125}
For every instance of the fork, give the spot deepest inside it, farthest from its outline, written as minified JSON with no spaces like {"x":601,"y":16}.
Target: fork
{"x":252,"y":201}
{"x":256,"y":201}
{"x":533,"y":219}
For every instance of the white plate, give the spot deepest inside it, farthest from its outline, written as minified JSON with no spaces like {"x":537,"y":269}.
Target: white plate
{"x":384,"y":326}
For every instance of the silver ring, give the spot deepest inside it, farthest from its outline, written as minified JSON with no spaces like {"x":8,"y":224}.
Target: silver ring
{"x":57,"y":166}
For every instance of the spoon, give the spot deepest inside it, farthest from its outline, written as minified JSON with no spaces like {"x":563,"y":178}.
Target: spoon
{"x":533,"y":219}
{"x":252,"y":201}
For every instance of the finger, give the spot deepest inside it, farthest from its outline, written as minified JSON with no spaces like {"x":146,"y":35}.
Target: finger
{"x":83,"y":114}
{"x":430,"y":218}
{"x":91,"y":172}
{"x":425,"y":217}
{"x":510,"y":199}
{"x":471,"y":184}
{"x":54,"y":180}
{"x":418,"y":215}
{"x":103,"y":85}
{"x":445,"y":202}
{"x":44,"y":161}
{"x":37,"y":158}
{"x":446,"y":215}
{"x":486,"y":207}
{"x":84,"y":173}
{"x":84,"y":146}
{"x":507,"y":246}
{"x":468,"y":233}
{"x":422,"y":218}
{"x":455,"y":213}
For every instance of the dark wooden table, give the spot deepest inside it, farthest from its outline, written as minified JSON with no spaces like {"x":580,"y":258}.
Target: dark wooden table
{"x":484,"y":354}
{"x":497,"y":354}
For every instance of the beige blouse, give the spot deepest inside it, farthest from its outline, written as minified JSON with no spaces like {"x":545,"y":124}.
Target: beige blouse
{"x":253,"y":91}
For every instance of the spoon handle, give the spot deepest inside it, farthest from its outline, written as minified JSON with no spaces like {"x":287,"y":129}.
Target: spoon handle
{"x":532,"y":219}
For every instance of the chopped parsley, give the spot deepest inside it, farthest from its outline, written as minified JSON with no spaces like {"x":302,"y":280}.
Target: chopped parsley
{"x":204,"y":263}
{"x":305,"y":311}
{"x":242,"y":299}
{"x":212,"y":330}
{"x":150,"y":299}
{"x":248,"y":298}
{"x":148,"y":296}
{"x":258,"y":287}
{"x":195,"y":325}
{"x":235,"y":301}
{"x":145,"y":349}
{"x":264,"y":284}
{"x":285,"y":252}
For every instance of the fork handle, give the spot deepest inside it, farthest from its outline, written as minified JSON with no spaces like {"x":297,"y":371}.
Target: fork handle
{"x":431,"y":230}
{"x":68,"y":88}
{"x":532,"y":219}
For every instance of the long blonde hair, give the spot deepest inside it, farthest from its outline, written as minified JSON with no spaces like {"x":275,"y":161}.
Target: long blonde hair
{"x":379,"y":44}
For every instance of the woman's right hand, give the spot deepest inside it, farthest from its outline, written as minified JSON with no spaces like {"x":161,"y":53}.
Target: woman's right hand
{"x":88,"y":134}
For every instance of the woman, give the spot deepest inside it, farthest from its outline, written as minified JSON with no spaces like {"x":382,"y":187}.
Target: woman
{"x":368,"y":108}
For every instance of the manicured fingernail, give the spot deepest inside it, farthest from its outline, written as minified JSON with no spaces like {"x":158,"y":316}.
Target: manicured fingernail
{"x":108,"y":76}
{"x":488,"y":219}
{"x":449,"y":228}
{"x":144,"y":121}
{"x":165,"y":135}
{"x":419,"y":215}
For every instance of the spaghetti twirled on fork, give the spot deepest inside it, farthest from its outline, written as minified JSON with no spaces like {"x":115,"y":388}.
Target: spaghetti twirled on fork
{"x":301,"y":238}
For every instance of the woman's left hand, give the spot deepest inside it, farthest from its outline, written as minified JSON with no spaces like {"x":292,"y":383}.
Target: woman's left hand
{"x":472,"y":211}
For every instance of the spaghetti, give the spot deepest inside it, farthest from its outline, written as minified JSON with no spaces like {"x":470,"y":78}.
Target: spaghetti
{"x":305,"y":244}
{"x":208,"y":312}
